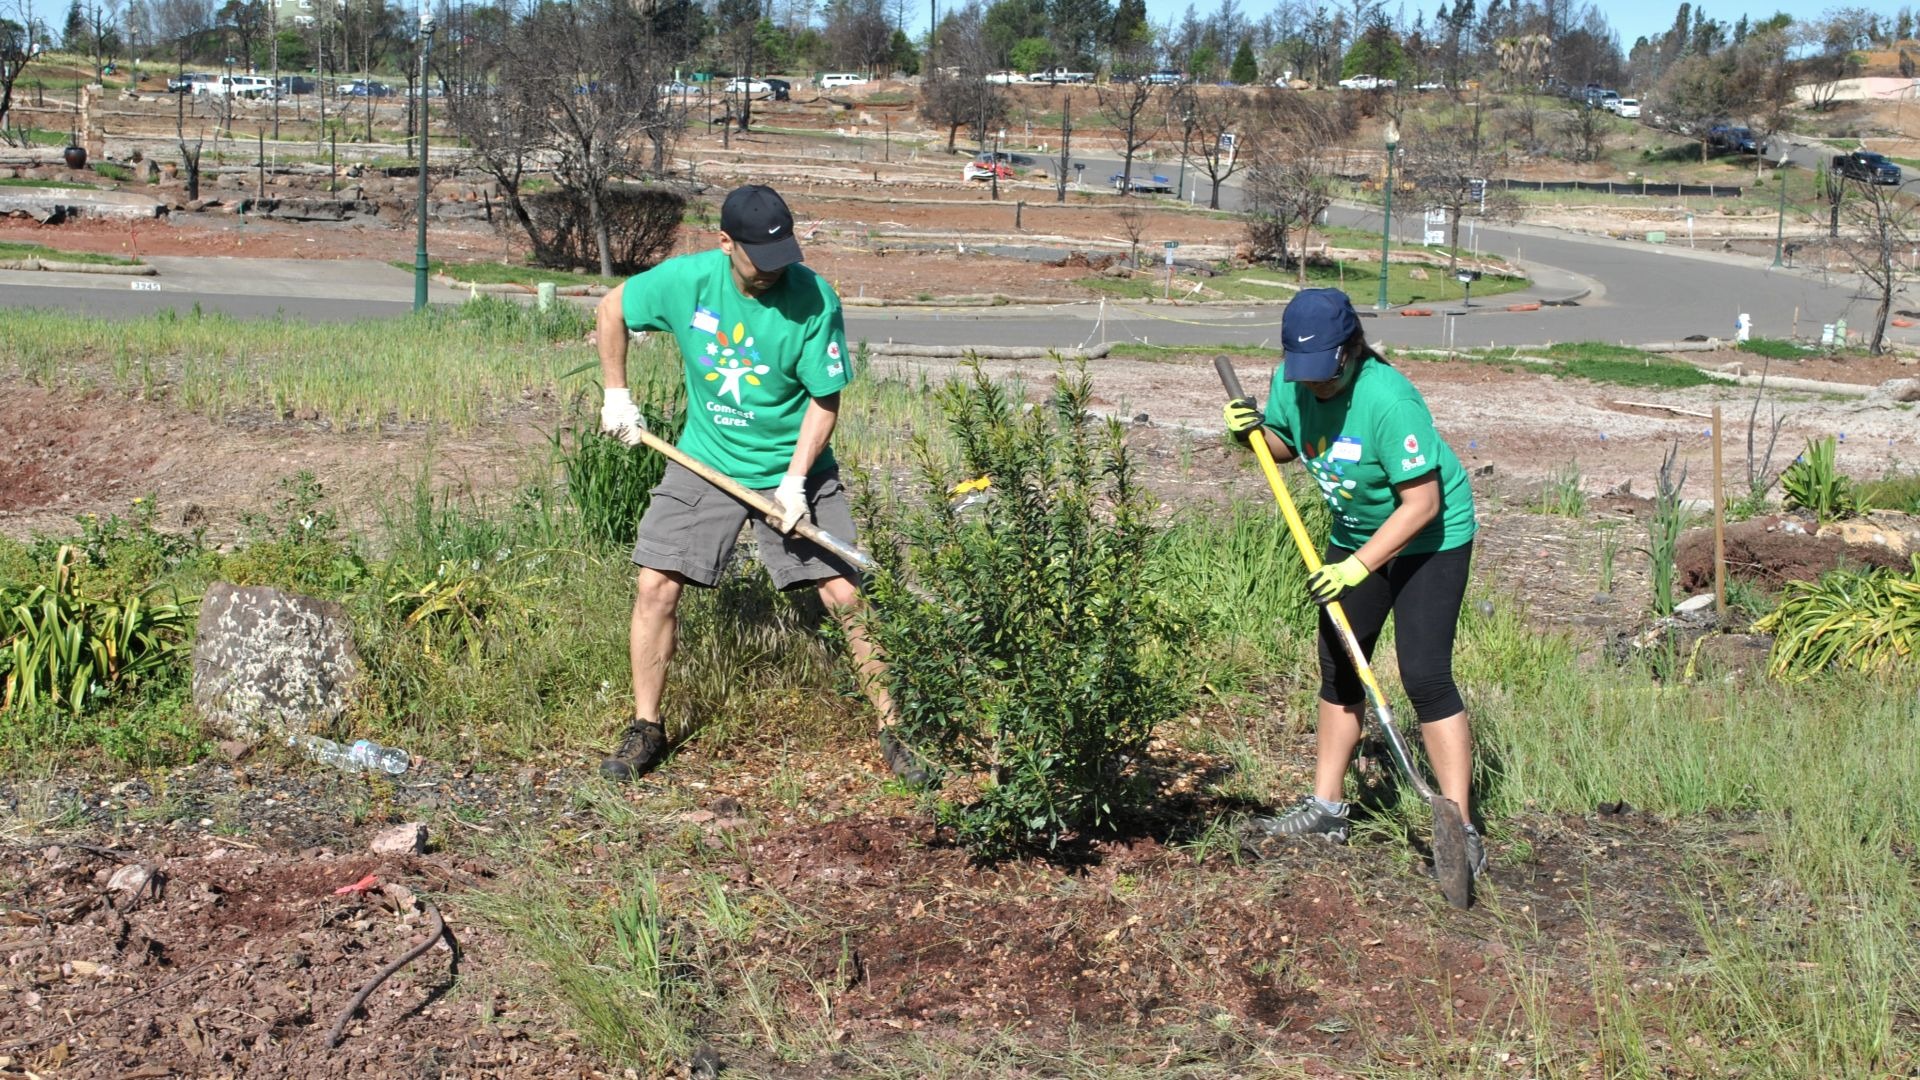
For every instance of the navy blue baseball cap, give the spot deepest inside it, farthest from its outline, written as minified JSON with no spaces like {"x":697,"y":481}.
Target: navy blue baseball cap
{"x":758,"y":219}
{"x":1316,"y":323}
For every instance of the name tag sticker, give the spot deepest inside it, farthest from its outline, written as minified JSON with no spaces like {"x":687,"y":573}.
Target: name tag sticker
{"x":1345,"y":448}
{"x":704,"y":321}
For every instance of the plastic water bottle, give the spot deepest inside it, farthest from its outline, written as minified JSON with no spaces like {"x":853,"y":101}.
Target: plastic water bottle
{"x":364,"y":755}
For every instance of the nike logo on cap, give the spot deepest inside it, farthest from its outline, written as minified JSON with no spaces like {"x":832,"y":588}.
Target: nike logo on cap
{"x":773,"y":230}
{"x":1308,"y":337}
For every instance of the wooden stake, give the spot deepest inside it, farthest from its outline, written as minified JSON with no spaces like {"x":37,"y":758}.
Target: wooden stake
{"x":1719,"y":526}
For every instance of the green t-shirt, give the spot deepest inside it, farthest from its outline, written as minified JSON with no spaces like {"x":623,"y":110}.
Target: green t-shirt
{"x":1360,"y":444}
{"x":752,"y":363}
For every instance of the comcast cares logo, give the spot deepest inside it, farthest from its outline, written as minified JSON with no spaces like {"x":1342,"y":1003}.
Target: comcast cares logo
{"x":734,"y":360}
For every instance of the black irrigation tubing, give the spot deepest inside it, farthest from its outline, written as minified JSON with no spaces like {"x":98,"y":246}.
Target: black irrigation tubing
{"x":434,"y":934}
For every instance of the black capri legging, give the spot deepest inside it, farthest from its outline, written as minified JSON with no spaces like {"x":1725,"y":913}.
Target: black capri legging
{"x":1424,"y":593}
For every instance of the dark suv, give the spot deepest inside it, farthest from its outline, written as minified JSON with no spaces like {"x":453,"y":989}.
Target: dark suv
{"x":1868,"y":166}
{"x":1737,"y":140}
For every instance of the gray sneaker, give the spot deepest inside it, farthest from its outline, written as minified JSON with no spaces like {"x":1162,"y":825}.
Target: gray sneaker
{"x":1306,"y":819}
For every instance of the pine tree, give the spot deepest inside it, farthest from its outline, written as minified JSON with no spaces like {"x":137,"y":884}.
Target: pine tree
{"x":74,"y":37}
{"x":1244,"y":71}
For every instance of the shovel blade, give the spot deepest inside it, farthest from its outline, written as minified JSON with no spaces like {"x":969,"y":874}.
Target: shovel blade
{"x":1450,"y":863}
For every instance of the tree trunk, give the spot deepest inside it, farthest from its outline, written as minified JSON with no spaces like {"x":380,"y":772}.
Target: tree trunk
{"x":602,"y":239}
{"x":1213,"y":200}
{"x":1453,"y":244}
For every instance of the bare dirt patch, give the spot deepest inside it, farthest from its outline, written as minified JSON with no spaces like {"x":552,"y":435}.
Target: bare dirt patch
{"x":236,"y":963}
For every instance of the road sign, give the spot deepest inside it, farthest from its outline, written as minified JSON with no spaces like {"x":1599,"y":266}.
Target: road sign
{"x":1171,"y":244}
{"x":1436,"y":227}
{"x":1477,"y":188}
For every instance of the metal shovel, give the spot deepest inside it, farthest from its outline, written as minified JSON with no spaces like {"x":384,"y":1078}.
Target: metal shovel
{"x":1449,"y":833}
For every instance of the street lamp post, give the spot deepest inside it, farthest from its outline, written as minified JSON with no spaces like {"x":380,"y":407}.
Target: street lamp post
{"x":1780,"y":227}
{"x":1386,"y":224}
{"x":420,"y":201}
{"x":1186,"y":138}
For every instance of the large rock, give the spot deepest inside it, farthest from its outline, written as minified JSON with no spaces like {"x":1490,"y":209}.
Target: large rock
{"x":269,"y":664}
{"x":1898,"y":390}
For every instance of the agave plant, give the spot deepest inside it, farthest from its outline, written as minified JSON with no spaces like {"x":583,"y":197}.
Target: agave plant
{"x":61,"y":647}
{"x":1867,"y":620}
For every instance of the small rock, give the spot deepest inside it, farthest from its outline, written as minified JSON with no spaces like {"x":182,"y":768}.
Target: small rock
{"x":1484,"y":470}
{"x":1602,"y":598}
{"x":698,"y":817}
{"x":133,"y":879}
{"x":1484,"y":608}
{"x":1142,"y":419}
{"x":726,"y":806}
{"x":1417,"y":274}
{"x":1694,"y":603}
{"x":236,"y":749}
{"x":407,"y":839}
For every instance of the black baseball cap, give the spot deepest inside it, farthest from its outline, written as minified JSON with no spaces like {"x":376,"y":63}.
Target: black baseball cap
{"x":758,"y":220}
{"x":1312,"y":329}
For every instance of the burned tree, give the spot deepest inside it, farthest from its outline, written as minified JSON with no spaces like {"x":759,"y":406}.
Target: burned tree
{"x":1226,"y":137}
{"x":1880,"y":225}
{"x":1292,"y":178}
{"x":591,"y":122}
{"x":1137,"y":114}
{"x":1447,"y":161}
{"x":18,"y":47}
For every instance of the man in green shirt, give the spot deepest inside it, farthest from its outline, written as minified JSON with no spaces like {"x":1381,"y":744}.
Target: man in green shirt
{"x":765,"y":355}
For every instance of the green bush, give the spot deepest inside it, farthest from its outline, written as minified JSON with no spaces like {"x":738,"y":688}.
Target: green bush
{"x":1867,"y":620}
{"x":1027,"y":645}
{"x":296,"y":545}
{"x":1813,"y":483}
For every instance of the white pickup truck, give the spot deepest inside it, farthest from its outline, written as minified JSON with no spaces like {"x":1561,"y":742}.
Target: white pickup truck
{"x":1060,"y":75}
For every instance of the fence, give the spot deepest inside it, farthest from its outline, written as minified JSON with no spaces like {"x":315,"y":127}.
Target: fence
{"x":1624,"y":187}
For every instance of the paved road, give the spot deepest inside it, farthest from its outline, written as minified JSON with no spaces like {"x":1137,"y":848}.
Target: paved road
{"x":1623,"y":292}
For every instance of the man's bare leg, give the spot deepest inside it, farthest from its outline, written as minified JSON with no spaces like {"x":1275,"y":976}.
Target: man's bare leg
{"x":650,"y":642}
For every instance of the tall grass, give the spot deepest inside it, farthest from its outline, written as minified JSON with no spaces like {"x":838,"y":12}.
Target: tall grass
{"x":1810,"y":956}
{"x":455,"y":366}
{"x":1235,"y":574}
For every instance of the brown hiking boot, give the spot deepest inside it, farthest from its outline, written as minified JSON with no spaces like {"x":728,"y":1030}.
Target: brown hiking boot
{"x":642,"y":746}
{"x":905,"y":765}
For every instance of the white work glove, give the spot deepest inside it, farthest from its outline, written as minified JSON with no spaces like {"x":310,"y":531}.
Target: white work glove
{"x":790,"y":502}
{"x":619,"y":417}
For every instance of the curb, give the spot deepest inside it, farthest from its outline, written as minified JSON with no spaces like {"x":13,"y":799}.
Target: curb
{"x":58,"y":267}
{"x":1412,"y":311}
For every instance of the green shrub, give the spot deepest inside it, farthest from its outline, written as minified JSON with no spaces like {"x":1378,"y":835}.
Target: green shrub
{"x":1814,"y":483}
{"x":1025,"y":640}
{"x":1561,"y":494}
{"x":1867,"y":620}
{"x":59,"y":646}
{"x":295,"y":545}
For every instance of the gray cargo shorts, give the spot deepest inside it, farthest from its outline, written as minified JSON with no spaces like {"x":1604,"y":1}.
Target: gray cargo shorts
{"x":690,"y":529}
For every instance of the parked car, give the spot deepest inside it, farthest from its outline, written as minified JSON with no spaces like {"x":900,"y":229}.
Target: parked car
{"x":184,"y":82}
{"x":839,"y":79}
{"x":291,"y":85}
{"x":1867,"y":166}
{"x":1141,"y":183}
{"x":1023,"y":161}
{"x":980,"y":170}
{"x":1164,"y":77}
{"x":1059,"y":74}
{"x":1627,"y":109}
{"x":1367,"y":82}
{"x":251,"y":87}
{"x":675,"y":90}
{"x":1735,"y":140}
{"x":1429,"y":86}
{"x":750,"y":87}
{"x":1005,"y":78}
{"x":781,"y":88}
{"x":366,"y":88}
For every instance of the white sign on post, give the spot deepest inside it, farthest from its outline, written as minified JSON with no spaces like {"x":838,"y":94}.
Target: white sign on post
{"x":1436,"y":227}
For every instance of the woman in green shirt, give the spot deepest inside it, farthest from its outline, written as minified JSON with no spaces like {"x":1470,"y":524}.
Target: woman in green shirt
{"x":1400,"y":543}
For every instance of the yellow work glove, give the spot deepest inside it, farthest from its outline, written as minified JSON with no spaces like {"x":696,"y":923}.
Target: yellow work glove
{"x":1327,"y":583}
{"x":1242,"y":416}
